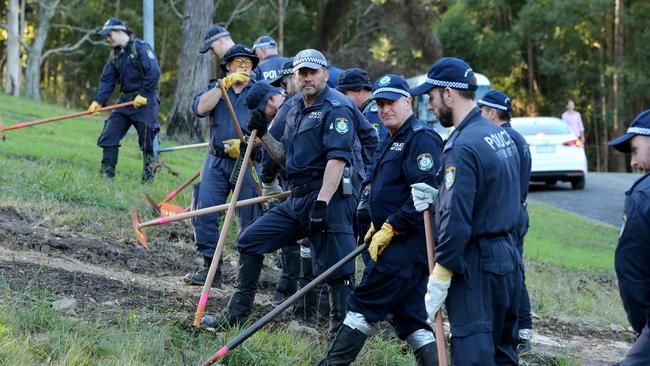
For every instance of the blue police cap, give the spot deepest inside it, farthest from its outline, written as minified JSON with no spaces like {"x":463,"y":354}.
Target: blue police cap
{"x":212,"y":35}
{"x":259,"y":94}
{"x":264,"y":41}
{"x":238,"y":50}
{"x":309,"y":58}
{"x":640,"y":126}
{"x":113,"y":24}
{"x":391,"y":87}
{"x":448,"y":72}
{"x":353,"y":79}
{"x":496,"y":99}
{"x":286,"y":70}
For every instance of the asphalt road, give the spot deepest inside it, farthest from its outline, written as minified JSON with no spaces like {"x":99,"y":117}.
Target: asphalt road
{"x":602,"y":199}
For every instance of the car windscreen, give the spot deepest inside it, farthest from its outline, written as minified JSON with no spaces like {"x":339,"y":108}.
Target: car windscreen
{"x":542,"y":127}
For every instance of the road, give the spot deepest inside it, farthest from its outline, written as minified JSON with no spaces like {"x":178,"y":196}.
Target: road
{"x":602,"y":199}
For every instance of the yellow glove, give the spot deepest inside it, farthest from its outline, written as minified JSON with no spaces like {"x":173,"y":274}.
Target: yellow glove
{"x":235,"y":78}
{"x":369,"y":234}
{"x":94,"y":106}
{"x":380,"y":241}
{"x":139,"y":101}
{"x":231,"y":147}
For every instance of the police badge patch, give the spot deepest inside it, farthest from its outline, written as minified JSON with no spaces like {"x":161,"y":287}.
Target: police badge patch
{"x":384,"y":81}
{"x":450,"y":176}
{"x":150,"y":54}
{"x":425,"y":162}
{"x":341,"y":125}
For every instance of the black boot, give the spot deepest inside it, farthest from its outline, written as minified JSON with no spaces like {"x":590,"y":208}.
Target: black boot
{"x":241,"y":302}
{"x":427,"y":355}
{"x":344,"y":348}
{"x":339,"y":292}
{"x":288,"y":283}
{"x":306,"y":309}
{"x":148,"y":167}
{"x":109,"y":161}
{"x":198,"y":278}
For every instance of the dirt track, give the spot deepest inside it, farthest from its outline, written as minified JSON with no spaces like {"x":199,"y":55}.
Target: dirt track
{"x":96,"y":272}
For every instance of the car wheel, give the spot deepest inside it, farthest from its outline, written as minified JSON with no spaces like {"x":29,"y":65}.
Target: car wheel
{"x":578,"y":183}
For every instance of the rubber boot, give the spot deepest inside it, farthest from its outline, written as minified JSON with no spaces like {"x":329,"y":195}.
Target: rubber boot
{"x":241,"y":302}
{"x":198,"y":278}
{"x":306,"y":309}
{"x":339,"y":292}
{"x":427,"y":355}
{"x":344,"y":348}
{"x":288,"y":283}
{"x":109,"y":161}
{"x":148,"y":167}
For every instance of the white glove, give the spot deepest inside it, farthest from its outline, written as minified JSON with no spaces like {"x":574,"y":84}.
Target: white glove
{"x":271,"y":188}
{"x":436,"y":295}
{"x":423,"y":196}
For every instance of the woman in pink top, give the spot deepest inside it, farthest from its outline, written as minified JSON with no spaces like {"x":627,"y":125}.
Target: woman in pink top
{"x":573,"y":119}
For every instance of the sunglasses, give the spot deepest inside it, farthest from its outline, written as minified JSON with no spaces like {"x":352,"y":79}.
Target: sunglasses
{"x":242,"y":62}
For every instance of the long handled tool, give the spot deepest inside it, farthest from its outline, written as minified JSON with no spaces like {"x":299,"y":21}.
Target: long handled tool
{"x":282,"y":307}
{"x":181,"y":147}
{"x":168,"y":207}
{"x":139,"y":226}
{"x":431,"y":257}
{"x":54,"y":119}
{"x":203,"y":300}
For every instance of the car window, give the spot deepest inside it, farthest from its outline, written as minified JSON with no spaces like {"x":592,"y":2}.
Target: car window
{"x":542,"y":127}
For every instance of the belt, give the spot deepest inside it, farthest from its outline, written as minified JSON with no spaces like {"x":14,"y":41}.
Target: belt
{"x":489,"y":236}
{"x":304,"y":189}
{"x":128,"y":95}
{"x":218,"y":152}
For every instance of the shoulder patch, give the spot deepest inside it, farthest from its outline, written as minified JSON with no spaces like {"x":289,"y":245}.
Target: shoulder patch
{"x":425,"y":162}
{"x":374,"y":108}
{"x":150,"y":54}
{"x":450,"y":176}
{"x":417,"y":126}
{"x":376,"y":127}
{"x":342,"y":125}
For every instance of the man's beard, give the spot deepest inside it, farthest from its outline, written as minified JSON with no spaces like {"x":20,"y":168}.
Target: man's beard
{"x":445,"y":115}
{"x":313,"y":91}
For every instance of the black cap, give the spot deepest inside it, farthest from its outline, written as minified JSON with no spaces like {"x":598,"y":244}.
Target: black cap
{"x":448,"y":72}
{"x":640,"y":126}
{"x":113,"y":24}
{"x":259,"y":94}
{"x":353,"y":79}
{"x":285,"y":70}
{"x":238,"y":50}
{"x":212,"y":35}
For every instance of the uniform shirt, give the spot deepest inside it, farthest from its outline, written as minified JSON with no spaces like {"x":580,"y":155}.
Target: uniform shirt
{"x":370,"y":111}
{"x":221,"y":125}
{"x":270,"y":168}
{"x":268,"y":70}
{"x":334,"y":75}
{"x":410,"y":156}
{"x":479,"y":188}
{"x":632,"y":258}
{"x":315,"y":134}
{"x":524,"y":159}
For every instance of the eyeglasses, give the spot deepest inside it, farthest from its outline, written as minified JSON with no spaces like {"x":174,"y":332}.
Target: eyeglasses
{"x":242,"y":62}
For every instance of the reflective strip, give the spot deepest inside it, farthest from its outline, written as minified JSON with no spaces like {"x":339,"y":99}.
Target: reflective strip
{"x":493,"y":105}
{"x":420,"y":338}
{"x":315,"y":60}
{"x":450,"y":84}
{"x":264,"y":44}
{"x":358,"y":321}
{"x":217,"y":36}
{"x":639,"y":131}
{"x":115,"y":27}
{"x":391,"y":90}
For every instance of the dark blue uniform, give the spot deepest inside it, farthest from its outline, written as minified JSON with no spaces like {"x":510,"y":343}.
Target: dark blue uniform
{"x":478,"y":206}
{"x":335,"y":72}
{"x":215,"y":187}
{"x":136,"y":73}
{"x":268,"y":70}
{"x":369,"y":110}
{"x":632,"y":263}
{"x":396,"y":283}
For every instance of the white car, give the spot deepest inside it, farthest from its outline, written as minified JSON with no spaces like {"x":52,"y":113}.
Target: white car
{"x":557,"y":154}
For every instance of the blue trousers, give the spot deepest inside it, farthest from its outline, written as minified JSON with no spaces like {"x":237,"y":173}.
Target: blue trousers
{"x":213,"y":190}
{"x":483,"y":304}
{"x":116,"y":127}
{"x":525,"y":318}
{"x":639,"y":354}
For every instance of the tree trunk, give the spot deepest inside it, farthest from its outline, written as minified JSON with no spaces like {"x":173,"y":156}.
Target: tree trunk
{"x":192,"y":71}
{"x":333,"y":17}
{"x":418,"y":17}
{"x":281,"y":15}
{"x":12,"y":81}
{"x":617,"y":82}
{"x":35,"y":56}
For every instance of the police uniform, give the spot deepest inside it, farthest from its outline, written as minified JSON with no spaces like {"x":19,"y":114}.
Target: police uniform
{"x":135,"y":68}
{"x":215,"y":186}
{"x":269,"y":68}
{"x":313,"y":135}
{"x":396,"y":283}
{"x":369,"y":110}
{"x":632,"y":257}
{"x":478,"y":206}
{"x":499,"y":100}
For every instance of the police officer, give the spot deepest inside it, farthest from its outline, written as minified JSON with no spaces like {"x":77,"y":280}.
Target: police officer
{"x":478,"y":268}
{"x":218,"y":165}
{"x":496,"y":107}
{"x":394,"y":282}
{"x":316,"y":152}
{"x":632,"y":259}
{"x":218,"y":40}
{"x":271,"y":62}
{"x":133,"y":65}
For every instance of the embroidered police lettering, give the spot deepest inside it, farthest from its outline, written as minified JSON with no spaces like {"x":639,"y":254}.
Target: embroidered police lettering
{"x":397,"y":146}
{"x":500,"y":139}
{"x":271,"y":74}
{"x":315,"y":115}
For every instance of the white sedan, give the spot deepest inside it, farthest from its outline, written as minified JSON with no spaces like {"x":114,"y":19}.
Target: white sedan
{"x":556,"y":152}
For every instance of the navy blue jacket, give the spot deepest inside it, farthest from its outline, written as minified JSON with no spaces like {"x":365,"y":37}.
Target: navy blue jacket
{"x":632,"y":258}
{"x":268,"y":70}
{"x":270,"y":169}
{"x":334,"y":75}
{"x":479,"y":188}
{"x":370,"y":111}
{"x":525,"y":163}
{"x":135,"y":76}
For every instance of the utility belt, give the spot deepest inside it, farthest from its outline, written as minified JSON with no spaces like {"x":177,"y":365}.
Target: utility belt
{"x":345,"y":187}
{"x":128,"y":95}
{"x":218,"y":152}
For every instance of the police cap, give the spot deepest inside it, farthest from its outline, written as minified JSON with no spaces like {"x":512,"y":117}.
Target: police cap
{"x":391,"y":87}
{"x":113,"y":24}
{"x":496,"y":99}
{"x":286,"y":70}
{"x":259,"y":94}
{"x":640,"y":126}
{"x":448,"y":72}
{"x":212,"y":35}
{"x":309,"y":58}
{"x":353,"y":79}
{"x":264,"y":41}
{"x":238,"y":50}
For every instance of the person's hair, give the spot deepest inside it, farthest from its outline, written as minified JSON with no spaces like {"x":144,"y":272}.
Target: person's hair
{"x":503,"y":115}
{"x":467,"y":93}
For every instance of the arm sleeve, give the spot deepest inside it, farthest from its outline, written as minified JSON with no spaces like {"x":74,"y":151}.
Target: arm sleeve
{"x":338,"y":131}
{"x":150,"y":69}
{"x":368,"y":138}
{"x":197,"y":97}
{"x":106,"y":83}
{"x":454,"y":207}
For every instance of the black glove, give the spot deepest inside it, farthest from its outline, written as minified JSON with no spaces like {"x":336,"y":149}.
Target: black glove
{"x":363,"y":209}
{"x":318,"y":216}
{"x":257,"y":121}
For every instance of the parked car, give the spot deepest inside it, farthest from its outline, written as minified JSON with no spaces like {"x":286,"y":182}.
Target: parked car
{"x":556,"y":152}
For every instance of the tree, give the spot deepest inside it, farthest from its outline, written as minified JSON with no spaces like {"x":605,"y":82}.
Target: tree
{"x":12,"y":81}
{"x":192,"y":71}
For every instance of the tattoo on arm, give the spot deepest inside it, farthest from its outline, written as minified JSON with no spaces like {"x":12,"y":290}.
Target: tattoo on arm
{"x":275,"y":148}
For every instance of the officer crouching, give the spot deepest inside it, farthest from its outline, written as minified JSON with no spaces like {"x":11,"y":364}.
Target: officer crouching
{"x":394,"y":281}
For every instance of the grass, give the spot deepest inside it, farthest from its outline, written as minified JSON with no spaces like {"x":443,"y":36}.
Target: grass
{"x":50,"y":172}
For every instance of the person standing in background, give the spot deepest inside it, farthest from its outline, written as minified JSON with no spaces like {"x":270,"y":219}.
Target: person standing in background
{"x":573,"y":119}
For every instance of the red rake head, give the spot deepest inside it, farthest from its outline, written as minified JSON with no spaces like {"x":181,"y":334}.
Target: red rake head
{"x":153,"y":203}
{"x":139,"y":234}
{"x":168,"y":209}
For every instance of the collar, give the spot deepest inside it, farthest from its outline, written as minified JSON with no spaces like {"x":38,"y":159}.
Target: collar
{"x":405,"y":127}
{"x":366,"y":105}
{"x":507,"y":124}
{"x":629,"y":191}
{"x":473,"y":115}
{"x":319,"y":99}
